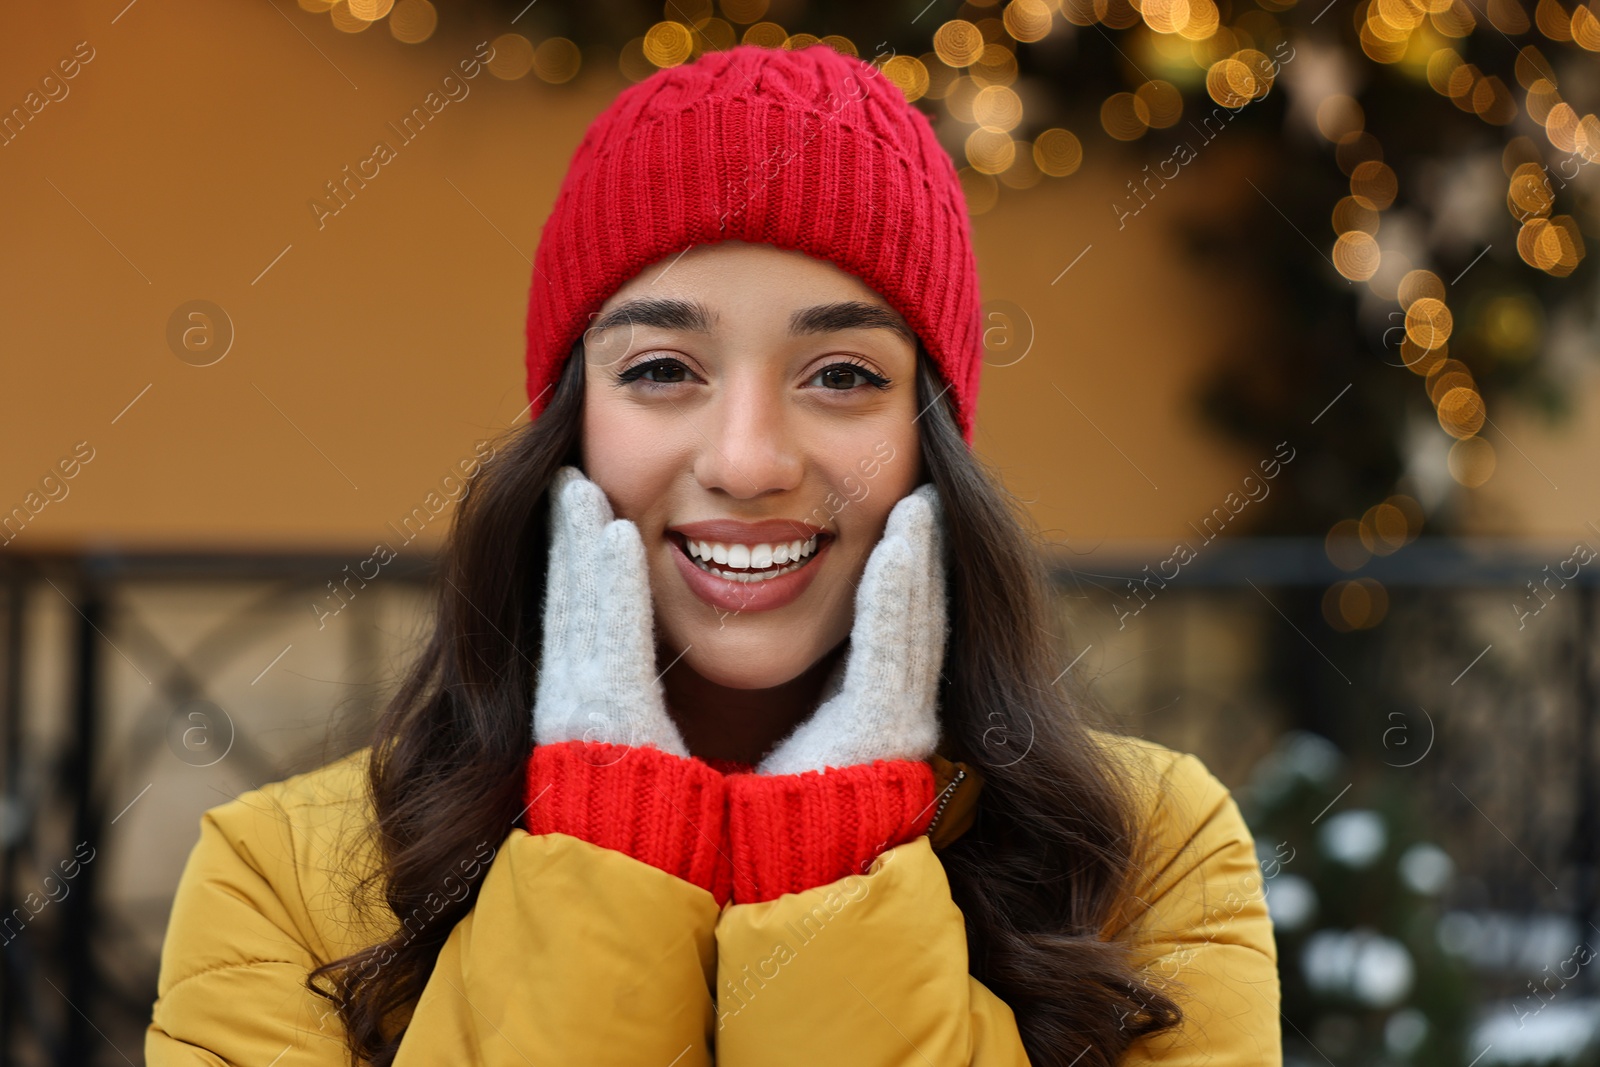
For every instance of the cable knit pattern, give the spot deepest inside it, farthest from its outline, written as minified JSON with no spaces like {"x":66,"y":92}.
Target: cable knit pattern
{"x":791,"y":832}
{"x":664,"y":810}
{"x":807,"y":150}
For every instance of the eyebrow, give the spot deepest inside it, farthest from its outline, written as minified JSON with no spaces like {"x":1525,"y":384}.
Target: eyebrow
{"x":691,"y":315}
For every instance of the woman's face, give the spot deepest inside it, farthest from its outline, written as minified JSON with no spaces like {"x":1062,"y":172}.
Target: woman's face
{"x":751,"y":403}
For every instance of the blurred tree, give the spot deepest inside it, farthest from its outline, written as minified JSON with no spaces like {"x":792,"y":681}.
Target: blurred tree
{"x":1354,"y":893}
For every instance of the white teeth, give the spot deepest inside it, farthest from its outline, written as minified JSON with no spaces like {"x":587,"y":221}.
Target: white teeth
{"x":751,"y":557}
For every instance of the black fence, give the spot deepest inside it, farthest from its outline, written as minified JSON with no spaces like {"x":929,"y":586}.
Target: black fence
{"x":140,"y":689}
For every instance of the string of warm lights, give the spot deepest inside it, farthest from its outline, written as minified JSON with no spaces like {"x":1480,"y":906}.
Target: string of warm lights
{"x":1195,"y":47}
{"x":1412,"y":33}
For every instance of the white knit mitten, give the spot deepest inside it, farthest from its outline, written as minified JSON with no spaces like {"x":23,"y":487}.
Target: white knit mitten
{"x":881,"y":702}
{"x":597,"y":672}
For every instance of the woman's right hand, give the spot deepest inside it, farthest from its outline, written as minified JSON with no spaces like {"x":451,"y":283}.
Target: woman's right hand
{"x":608,"y":763}
{"x":597,"y":672}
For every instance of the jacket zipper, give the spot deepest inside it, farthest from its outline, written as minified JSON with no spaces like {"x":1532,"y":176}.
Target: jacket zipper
{"x":944,"y":798}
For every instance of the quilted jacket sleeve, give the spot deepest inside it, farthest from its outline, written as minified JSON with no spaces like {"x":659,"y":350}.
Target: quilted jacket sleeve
{"x":564,"y":933}
{"x":873,"y":968}
{"x":869,"y":969}
{"x":837,"y":949}
{"x":237,"y":950}
{"x":1200,"y":927}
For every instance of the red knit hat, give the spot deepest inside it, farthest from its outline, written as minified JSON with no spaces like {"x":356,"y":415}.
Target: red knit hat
{"x":808,"y":150}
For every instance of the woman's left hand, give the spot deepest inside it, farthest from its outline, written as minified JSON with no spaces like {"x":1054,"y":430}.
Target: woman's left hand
{"x":887,"y":704}
{"x":852,"y":780}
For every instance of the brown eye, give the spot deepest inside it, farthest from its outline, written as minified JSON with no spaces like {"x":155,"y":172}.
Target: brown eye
{"x":665,"y":372}
{"x":661,"y":371}
{"x":844,"y":377}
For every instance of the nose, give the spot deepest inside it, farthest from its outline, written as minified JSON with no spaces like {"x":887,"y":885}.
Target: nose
{"x":748,"y":446}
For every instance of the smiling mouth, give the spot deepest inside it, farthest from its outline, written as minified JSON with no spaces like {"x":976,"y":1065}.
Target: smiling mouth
{"x":739,"y":562}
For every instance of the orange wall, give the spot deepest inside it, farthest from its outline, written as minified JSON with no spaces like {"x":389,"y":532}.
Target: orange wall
{"x":370,"y":353}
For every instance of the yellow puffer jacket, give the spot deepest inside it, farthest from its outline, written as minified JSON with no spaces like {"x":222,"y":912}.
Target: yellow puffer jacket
{"x":577,"y":954}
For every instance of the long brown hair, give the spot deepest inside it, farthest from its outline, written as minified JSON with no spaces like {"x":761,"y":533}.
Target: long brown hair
{"x":1044,"y":867}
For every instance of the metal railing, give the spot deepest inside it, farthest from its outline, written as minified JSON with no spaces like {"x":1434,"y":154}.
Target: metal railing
{"x":141,"y":688}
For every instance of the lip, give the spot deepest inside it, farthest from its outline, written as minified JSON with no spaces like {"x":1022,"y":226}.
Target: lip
{"x":732,"y":531}
{"x":726,"y":595}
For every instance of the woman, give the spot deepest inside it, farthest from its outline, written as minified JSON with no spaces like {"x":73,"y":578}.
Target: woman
{"x":802,"y":786}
